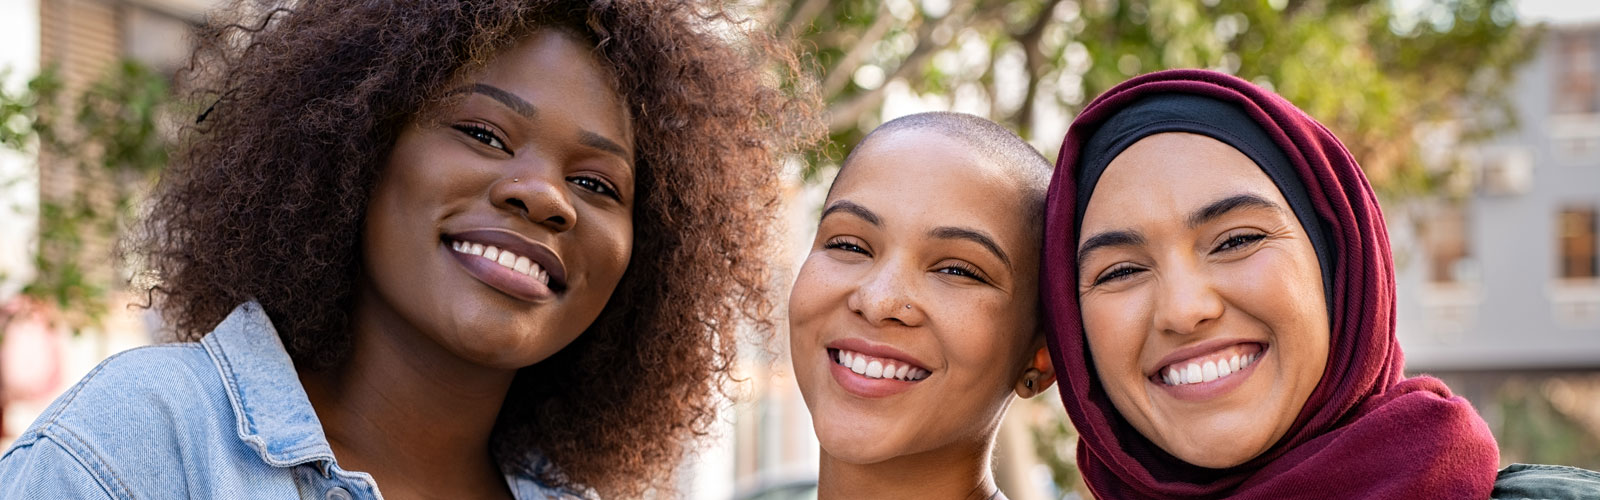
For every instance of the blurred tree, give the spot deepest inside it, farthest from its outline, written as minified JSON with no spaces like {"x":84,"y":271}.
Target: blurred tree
{"x":1378,"y":73}
{"x":108,"y":139}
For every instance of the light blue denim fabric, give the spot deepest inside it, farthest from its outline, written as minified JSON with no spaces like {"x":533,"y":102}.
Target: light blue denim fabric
{"x":222,"y":418}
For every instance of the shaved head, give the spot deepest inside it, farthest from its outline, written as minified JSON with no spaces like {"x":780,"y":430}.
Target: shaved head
{"x":991,"y":140}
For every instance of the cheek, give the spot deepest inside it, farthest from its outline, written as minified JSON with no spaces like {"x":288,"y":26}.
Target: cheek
{"x":1113,"y":327}
{"x":819,"y":288}
{"x":606,"y":247}
{"x":986,"y":336}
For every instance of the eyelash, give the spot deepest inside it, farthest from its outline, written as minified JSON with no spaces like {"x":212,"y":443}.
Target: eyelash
{"x":598,"y":186}
{"x":839,"y":244}
{"x":964,"y":270}
{"x":960,"y":269}
{"x":1238,"y":241}
{"x":483,"y":135}
{"x":1232,"y":243}
{"x":1117,"y":273}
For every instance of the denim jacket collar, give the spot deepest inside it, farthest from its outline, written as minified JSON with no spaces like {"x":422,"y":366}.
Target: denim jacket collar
{"x":274,"y":414}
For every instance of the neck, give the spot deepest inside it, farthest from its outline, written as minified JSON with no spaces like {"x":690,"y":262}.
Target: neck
{"x":408,"y":412}
{"x":961,"y":472}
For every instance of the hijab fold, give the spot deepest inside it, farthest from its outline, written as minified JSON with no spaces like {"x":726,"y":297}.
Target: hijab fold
{"x":1366,"y":431}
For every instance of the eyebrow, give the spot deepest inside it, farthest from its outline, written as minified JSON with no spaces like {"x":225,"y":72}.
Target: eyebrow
{"x":1108,"y":239}
{"x":508,"y":99}
{"x":1205,"y":214}
{"x":851,"y":208}
{"x":600,"y":142}
{"x":1223,"y":206}
{"x":973,"y":235}
{"x":526,"y":109}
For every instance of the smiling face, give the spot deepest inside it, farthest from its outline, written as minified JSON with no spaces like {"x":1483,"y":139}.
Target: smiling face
{"x":923,"y":280}
{"x":502,"y":222}
{"x":1202,"y":299}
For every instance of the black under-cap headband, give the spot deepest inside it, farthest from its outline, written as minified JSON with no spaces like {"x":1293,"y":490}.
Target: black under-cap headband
{"x":1215,"y":119}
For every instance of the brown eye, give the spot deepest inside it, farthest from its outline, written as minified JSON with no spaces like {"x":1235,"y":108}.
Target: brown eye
{"x":963,"y":270}
{"x":844,"y":245}
{"x":482,"y":134}
{"x":1117,"y":273}
{"x":1239,"y":241}
{"x":595,"y":185}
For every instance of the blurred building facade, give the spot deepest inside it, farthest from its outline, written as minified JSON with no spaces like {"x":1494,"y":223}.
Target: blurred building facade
{"x":1500,"y":283}
{"x":83,"y":42}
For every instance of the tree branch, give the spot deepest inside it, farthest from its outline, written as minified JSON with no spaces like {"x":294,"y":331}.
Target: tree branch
{"x":1034,"y":57}
{"x":844,"y":114}
{"x":839,"y":75}
{"x":803,"y":16}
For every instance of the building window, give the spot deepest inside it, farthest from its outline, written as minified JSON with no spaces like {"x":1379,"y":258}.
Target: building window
{"x":1576,"y":241}
{"x":1575,"y":75}
{"x":1445,"y":236}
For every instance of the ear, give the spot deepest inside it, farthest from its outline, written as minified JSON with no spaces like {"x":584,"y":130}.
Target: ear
{"x":1040,"y":372}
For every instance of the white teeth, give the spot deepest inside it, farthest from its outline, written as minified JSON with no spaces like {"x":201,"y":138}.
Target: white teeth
{"x":1208,"y":371}
{"x":878,"y":368}
{"x":875,"y":369}
{"x":504,"y":258}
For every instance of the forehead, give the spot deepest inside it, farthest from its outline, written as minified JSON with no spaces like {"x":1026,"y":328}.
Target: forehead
{"x":926,"y":176}
{"x":552,"y":68}
{"x":1168,"y":174}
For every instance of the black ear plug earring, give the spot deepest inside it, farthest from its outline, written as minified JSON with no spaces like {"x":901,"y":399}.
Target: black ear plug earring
{"x":1028,"y":383}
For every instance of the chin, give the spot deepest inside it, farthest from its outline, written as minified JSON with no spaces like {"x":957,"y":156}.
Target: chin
{"x":1204,"y":452}
{"x":854,"y":443}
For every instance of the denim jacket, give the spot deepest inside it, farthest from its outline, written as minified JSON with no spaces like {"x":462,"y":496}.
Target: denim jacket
{"x":222,"y":418}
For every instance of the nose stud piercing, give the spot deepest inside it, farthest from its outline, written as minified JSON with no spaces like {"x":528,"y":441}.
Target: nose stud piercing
{"x":513,"y":179}
{"x":908,"y":306}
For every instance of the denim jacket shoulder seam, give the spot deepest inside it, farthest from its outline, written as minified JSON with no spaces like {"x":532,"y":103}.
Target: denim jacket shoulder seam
{"x":77,"y":447}
{"x":67,"y":399}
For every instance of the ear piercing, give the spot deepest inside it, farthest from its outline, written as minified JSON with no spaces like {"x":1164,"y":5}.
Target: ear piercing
{"x":1028,"y":383}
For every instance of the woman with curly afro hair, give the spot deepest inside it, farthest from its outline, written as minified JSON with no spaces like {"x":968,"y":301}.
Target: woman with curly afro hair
{"x":492,"y":249}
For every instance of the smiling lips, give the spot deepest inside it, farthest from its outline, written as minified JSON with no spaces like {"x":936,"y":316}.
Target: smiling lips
{"x":505,"y":258}
{"x":878,"y":368}
{"x":1211,"y":366}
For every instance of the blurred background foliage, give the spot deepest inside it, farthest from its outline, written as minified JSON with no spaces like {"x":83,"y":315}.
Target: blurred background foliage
{"x":109,"y":135}
{"x":1377,"y":73}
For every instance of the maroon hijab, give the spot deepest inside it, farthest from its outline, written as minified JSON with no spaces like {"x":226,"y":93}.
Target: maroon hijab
{"x":1366,"y":431}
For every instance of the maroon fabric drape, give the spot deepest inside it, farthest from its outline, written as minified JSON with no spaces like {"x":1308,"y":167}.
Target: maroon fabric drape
{"x":1366,"y":431}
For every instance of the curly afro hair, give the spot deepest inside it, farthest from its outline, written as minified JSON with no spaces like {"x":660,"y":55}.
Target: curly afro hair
{"x":304,"y":100}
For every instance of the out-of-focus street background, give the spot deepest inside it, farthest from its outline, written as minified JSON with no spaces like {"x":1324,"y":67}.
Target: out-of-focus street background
{"x":1477,"y":120}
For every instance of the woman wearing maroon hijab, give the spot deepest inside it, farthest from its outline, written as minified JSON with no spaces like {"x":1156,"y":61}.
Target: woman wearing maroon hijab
{"x":1220,"y":292}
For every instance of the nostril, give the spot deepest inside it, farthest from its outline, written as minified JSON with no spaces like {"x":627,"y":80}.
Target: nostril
{"x":517,"y":203}
{"x":557,"y":221}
